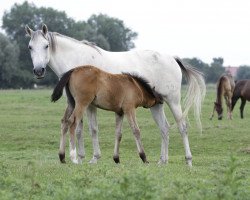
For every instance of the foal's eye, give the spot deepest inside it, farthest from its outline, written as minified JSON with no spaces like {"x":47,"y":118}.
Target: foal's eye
{"x":30,"y":47}
{"x":47,"y":46}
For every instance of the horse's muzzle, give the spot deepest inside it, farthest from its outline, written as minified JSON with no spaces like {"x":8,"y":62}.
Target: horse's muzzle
{"x":39,"y":72}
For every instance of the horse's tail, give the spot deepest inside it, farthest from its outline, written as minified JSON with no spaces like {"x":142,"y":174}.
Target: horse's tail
{"x":195,"y":92}
{"x":63,"y":82}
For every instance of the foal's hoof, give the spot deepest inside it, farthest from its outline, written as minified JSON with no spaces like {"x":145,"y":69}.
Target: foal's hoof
{"x":146,"y":162}
{"x":62,"y":158}
{"x":116,"y":159}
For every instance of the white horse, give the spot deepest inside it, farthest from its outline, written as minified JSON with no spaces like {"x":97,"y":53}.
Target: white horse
{"x":163,"y":72}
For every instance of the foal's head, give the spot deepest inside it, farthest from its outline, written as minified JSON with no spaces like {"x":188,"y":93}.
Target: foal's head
{"x":218,"y":109}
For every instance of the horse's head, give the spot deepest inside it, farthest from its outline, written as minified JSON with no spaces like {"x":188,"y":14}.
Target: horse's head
{"x":39,"y":50}
{"x":218,"y":109}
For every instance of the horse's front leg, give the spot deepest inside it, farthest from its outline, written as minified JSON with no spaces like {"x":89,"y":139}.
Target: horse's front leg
{"x":64,"y":130}
{"x":118,"y":136}
{"x":136,"y":131}
{"x":229,"y":106}
{"x":93,"y":128}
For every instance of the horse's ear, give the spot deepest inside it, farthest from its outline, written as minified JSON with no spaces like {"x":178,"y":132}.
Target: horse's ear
{"x":45,"y":29}
{"x":28,"y":30}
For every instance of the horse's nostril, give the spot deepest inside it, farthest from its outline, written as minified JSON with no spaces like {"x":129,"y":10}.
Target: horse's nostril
{"x":39,"y":72}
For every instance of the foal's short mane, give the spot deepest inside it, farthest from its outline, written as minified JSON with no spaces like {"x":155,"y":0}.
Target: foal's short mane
{"x":145,"y":84}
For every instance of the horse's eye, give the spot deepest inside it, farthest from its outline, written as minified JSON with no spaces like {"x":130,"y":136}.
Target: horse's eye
{"x":47,"y":46}
{"x":30,"y":47}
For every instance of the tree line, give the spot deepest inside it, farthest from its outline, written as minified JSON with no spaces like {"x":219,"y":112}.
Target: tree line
{"x":107,"y":32}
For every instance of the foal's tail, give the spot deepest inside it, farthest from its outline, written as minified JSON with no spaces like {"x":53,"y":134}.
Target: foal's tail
{"x":63,"y":82}
{"x":195,"y":92}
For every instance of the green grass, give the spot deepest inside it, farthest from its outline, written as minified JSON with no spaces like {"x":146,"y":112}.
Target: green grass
{"x":30,"y":168}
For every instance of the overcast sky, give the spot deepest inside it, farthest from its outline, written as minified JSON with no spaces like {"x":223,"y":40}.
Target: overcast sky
{"x":186,"y":28}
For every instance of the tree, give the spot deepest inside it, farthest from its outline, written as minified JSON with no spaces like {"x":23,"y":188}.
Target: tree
{"x":118,"y":36}
{"x":8,"y":63}
{"x":243,"y":72}
{"x":215,"y":70}
{"x":108,"y":33}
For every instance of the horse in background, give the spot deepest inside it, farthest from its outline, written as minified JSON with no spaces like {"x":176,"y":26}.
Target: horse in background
{"x":224,"y":87}
{"x":242,"y":91}
{"x":120,"y":93}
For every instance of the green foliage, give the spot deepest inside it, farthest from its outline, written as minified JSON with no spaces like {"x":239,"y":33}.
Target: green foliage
{"x":211,"y":72}
{"x":8,"y":63}
{"x":118,"y":36}
{"x":243,"y":72}
{"x":119,"y":39}
{"x":30,"y":168}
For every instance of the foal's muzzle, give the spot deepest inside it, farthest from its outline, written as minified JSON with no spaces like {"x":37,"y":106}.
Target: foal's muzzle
{"x":39,"y":72}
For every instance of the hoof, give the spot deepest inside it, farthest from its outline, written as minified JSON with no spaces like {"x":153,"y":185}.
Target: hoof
{"x":143,"y":157}
{"x":162,"y":162}
{"x":93,"y":160}
{"x":189,"y":161}
{"x":116,"y":159}
{"x":62,"y":158}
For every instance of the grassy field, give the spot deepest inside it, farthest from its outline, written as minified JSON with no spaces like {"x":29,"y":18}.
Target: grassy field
{"x":30,"y":168}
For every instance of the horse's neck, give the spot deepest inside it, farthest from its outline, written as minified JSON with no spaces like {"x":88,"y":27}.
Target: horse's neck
{"x":219,"y":92}
{"x":70,"y":54}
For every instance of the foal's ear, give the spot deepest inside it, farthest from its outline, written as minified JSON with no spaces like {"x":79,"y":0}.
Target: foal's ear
{"x":28,"y":30}
{"x":45,"y":29}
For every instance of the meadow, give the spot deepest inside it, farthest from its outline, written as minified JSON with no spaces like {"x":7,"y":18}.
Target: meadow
{"x":30,"y":167}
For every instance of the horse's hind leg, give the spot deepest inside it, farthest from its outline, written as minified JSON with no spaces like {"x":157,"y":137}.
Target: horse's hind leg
{"x":242,"y":105}
{"x":93,"y":128}
{"x":64,"y":130}
{"x":177,"y":112}
{"x":79,"y":136}
{"x":118,"y":136}
{"x":74,"y":121}
{"x":136,"y":131}
{"x":160,"y":119}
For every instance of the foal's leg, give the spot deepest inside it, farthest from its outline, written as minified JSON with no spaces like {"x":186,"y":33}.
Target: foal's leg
{"x":79,"y":136}
{"x":93,"y":128}
{"x":177,"y":112}
{"x":136,"y":131}
{"x":74,"y":121}
{"x":64,"y":130}
{"x":160,"y":119}
{"x":118,"y":136}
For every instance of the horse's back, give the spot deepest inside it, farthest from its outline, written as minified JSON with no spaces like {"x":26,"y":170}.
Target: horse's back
{"x":161,"y":70}
{"x":243,"y":87}
{"x":226,"y":83}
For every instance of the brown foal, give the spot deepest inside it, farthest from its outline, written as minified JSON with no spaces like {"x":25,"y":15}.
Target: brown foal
{"x":121,"y":93}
